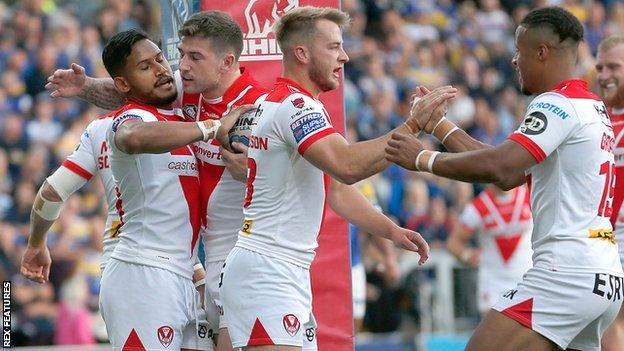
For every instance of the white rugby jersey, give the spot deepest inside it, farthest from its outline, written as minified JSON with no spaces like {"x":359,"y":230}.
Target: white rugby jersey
{"x":569,"y":133}
{"x":221,"y":195}
{"x":90,"y":158}
{"x":285,"y":197}
{"x":503,"y":224}
{"x":158,"y":199}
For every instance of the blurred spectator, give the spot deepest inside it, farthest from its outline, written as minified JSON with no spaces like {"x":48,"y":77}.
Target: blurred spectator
{"x":394,"y":45}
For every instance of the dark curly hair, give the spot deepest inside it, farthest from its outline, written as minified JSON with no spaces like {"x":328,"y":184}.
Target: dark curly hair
{"x":559,"y":20}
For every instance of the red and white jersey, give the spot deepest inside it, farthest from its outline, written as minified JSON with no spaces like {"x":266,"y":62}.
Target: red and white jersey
{"x":617,"y":120}
{"x":504,"y":224}
{"x":91,"y":158}
{"x":569,"y":133}
{"x":157,"y":199}
{"x":285,"y":198}
{"x":221,"y":195}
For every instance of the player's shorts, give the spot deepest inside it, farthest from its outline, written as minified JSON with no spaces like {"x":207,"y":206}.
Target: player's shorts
{"x":150,"y":308}
{"x":568,"y":308}
{"x":358,"y":288}
{"x":212,"y":301}
{"x":490,"y":287}
{"x":267,"y":301}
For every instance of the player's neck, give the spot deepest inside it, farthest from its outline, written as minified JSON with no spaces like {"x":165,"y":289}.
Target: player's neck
{"x":225,"y":83}
{"x":302,"y":78}
{"x":556,"y":77}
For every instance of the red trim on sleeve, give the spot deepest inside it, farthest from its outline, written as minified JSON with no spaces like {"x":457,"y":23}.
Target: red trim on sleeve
{"x":312,"y":139}
{"x":529,"y":145}
{"x":74,"y":167}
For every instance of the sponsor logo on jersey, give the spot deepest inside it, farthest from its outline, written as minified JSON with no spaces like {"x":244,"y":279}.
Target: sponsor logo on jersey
{"x":549,"y":107}
{"x":183,"y":165}
{"x":259,"y":41}
{"x":602,"y":234}
{"x":534,"y":124}
{"x":190,"y":111}
{"x":202,"y":331}
{"x":121,"y":119}
{"x":247,"y":223}
{"x":207,"y":153}
{"x":165,"y":335}
{"x":614,"y":291}
{"x":291,"y":324}
{"x":307,"y":125}
{"x":310,"y":333}
{"x":298,"y":102}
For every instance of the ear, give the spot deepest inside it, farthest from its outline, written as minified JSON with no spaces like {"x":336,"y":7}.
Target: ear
{"x":302,"y":54}
{"x":228,"y":62}
{"x":121,"y":84}
{"x":543,"y":52}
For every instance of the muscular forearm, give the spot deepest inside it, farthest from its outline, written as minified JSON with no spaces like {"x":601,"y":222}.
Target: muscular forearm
{"x":102,"y":93}
{"x":156,"y":137}
{"x":460,"y":141}
{"x":38,"y":230}
{"x":367,"y":158}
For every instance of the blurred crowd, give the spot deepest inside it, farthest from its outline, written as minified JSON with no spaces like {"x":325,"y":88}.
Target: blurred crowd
{"x":394,"y":46}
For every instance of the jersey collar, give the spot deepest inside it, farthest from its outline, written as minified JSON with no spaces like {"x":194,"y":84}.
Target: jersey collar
{"x":292,"y":86}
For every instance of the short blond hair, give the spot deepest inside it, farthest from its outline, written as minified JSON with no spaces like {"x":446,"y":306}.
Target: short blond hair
{"x":299,"y":23}
{"x":610,"y":42}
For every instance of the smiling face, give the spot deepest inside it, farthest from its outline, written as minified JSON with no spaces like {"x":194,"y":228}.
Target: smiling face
{"x":147,"y":77}
{"x":327,"y":56}
{"x":610,"y":75}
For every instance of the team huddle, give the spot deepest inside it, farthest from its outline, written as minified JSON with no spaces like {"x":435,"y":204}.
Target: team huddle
{"x":173,"y":176}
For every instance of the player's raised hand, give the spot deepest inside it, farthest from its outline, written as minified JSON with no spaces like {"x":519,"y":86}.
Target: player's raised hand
{"x":403,"y":149}
{"x":412,"y":241}
{"x":67,"y":82}
{"x":227,"y":122}
{"x":424,"y":112}
{"x":36,"y":263}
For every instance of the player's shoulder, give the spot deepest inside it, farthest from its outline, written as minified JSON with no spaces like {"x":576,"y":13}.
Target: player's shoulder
{"x":132,"y":111}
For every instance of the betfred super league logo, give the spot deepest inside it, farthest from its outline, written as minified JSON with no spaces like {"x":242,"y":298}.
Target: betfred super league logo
{"x":259,"y":41}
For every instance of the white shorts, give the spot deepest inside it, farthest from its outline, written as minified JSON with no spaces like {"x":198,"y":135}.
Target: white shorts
{"x":267,"y":301}
{"x":490,"y":288}
{"x":570,"y":309}
{"x":150,"y":307}
{"x":358,"y":288}
{"x":212,"y":301}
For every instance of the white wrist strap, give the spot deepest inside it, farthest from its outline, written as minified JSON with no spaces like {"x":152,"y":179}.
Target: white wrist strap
{"x":424,"y":160}
{"x":211,"y":132}
{"x":48,"y":210}
{"x":198,"y":266}
{"x":449,"y":133}
{"x":437,"y":124}
{"x":200,"y":282}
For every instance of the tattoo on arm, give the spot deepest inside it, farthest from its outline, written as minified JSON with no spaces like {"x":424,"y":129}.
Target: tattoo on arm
{"x":102,"y":93}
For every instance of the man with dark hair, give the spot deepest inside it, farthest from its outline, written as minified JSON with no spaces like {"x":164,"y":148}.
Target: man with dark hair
{"x":563,"y":150}
{"x":610,"y":78}
{"x":158,"y":203}
{"x":213,"y":83}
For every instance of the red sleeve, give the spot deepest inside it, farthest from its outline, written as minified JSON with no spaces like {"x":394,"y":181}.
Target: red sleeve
{"x":529,"y":145}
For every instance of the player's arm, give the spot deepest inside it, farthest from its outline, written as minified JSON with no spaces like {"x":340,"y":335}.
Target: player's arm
{"x":350,"y":204}
{"x":458,"y":245}
{"x":500,"y":165}
{"x":133,"y":135}
{"x":350,"y":163}
{"x":72,"y":82}
{"x":35,"y":264}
